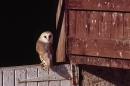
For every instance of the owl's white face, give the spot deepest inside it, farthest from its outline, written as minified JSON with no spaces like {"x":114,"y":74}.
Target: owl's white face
{"x":47,"y":37}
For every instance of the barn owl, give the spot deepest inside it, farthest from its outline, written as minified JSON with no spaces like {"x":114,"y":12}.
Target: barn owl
{"x":44,"y":48}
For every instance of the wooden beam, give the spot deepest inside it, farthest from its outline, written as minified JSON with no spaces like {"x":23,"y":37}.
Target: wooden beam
{"x":60,"y":29}
{"x":109,"y":5}
{"x":100,"y":47}
{"x":98,"y":61}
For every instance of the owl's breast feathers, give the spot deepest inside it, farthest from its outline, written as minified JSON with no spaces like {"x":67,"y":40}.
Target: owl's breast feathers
{"x":42,"y":47}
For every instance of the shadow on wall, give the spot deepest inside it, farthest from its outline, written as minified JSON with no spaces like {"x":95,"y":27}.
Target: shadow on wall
{"x":104,"y":76}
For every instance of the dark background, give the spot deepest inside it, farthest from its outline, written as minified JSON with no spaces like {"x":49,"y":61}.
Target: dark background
{"x":21,"y":24}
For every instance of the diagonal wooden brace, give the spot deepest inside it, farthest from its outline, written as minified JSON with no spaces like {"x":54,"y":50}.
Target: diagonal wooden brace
{"x":53,"y":77}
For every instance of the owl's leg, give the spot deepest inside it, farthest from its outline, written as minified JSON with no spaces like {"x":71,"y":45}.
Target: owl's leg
{"x":41,"y":60}
{"x":41,"y":64}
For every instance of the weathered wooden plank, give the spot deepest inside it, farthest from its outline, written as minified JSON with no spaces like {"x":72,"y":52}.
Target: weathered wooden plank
{"x":65,"y":70}
{"x":72,"y":3}
{"x":117,"y":26}
{"x":93,"y":61}
{"x":100,"y":61}
{"x":78,"y":20}
{"x":72,"y":59}
{"x":66,"y":83}
{"x":92,"y":25}
{"x":72,"y":23}
{"x":109,"y":5}
{"x":20,"y":74}
{"x":104,"y":62}
{"x":104,"y":24}
{"x":60,"y":30}
{"x":54,"y":83}
{"x":18,"y":67}
{"x":81,"y":21}
{"x":116,"y":63}
{"x":54,"y":71}
{"x":62,"y":71}
{"x":90,"y":60}
{"x":1,"y":80}
{"x":69,"y":45}
{"x":127,"y":26}
{"x":42,"y":72}
{"x":31,"y":73}
{"x":126,"y":64}
{"x":100,"y":47}
{"x":60,"y":52}
{"x":8,"y":78}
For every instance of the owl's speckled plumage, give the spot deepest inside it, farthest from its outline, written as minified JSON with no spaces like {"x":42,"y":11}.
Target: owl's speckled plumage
{"x":44,"y":48}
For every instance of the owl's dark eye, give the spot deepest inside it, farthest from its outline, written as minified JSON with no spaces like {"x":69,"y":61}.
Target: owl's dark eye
{"x":44,"y":36}
{"x":50,"y":36}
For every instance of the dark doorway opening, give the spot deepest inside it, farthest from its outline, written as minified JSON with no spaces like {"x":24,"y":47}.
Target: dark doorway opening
{"x":21,"y":25}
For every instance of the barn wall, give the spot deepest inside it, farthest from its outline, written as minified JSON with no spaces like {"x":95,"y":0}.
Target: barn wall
{"x":94,"y":32}
{"x":98,"y":40}
{"x":99,"y":28}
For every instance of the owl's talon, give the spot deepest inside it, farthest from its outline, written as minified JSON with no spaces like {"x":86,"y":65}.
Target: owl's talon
{"x":41,"y":64}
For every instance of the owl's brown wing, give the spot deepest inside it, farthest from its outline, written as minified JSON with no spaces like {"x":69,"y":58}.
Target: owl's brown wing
{"x":39,"y":47}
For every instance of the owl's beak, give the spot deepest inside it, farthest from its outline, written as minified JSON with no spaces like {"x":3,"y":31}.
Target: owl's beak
{"x":48,"y":39}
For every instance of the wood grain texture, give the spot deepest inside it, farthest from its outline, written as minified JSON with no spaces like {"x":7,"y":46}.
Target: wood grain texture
{"x":64,"y":70}
{"x":116,"y":63}
{"x":1,"y":76}
{"x":126,"y":64}
{"x":60,"y":52}
{"x":100,"y":61}
{"x":81,"y":21}
{"x":104,"y":24}
{"x":66,"y":83}
{"x":11,"y":76}
{"x":54,"y":71}
{"x":42,"y":72}
{"x":97,"y":61}
{"x":8,"y":78}
{"x":109,"y":5}
{"x":20,"y":74}
{"x":31,"y":73}
{"x":72,"y":23}
{"x":117,"y":26}
{"x":92,"y":24}
{"x":127,"y":26}
{"x":100,"y":47}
